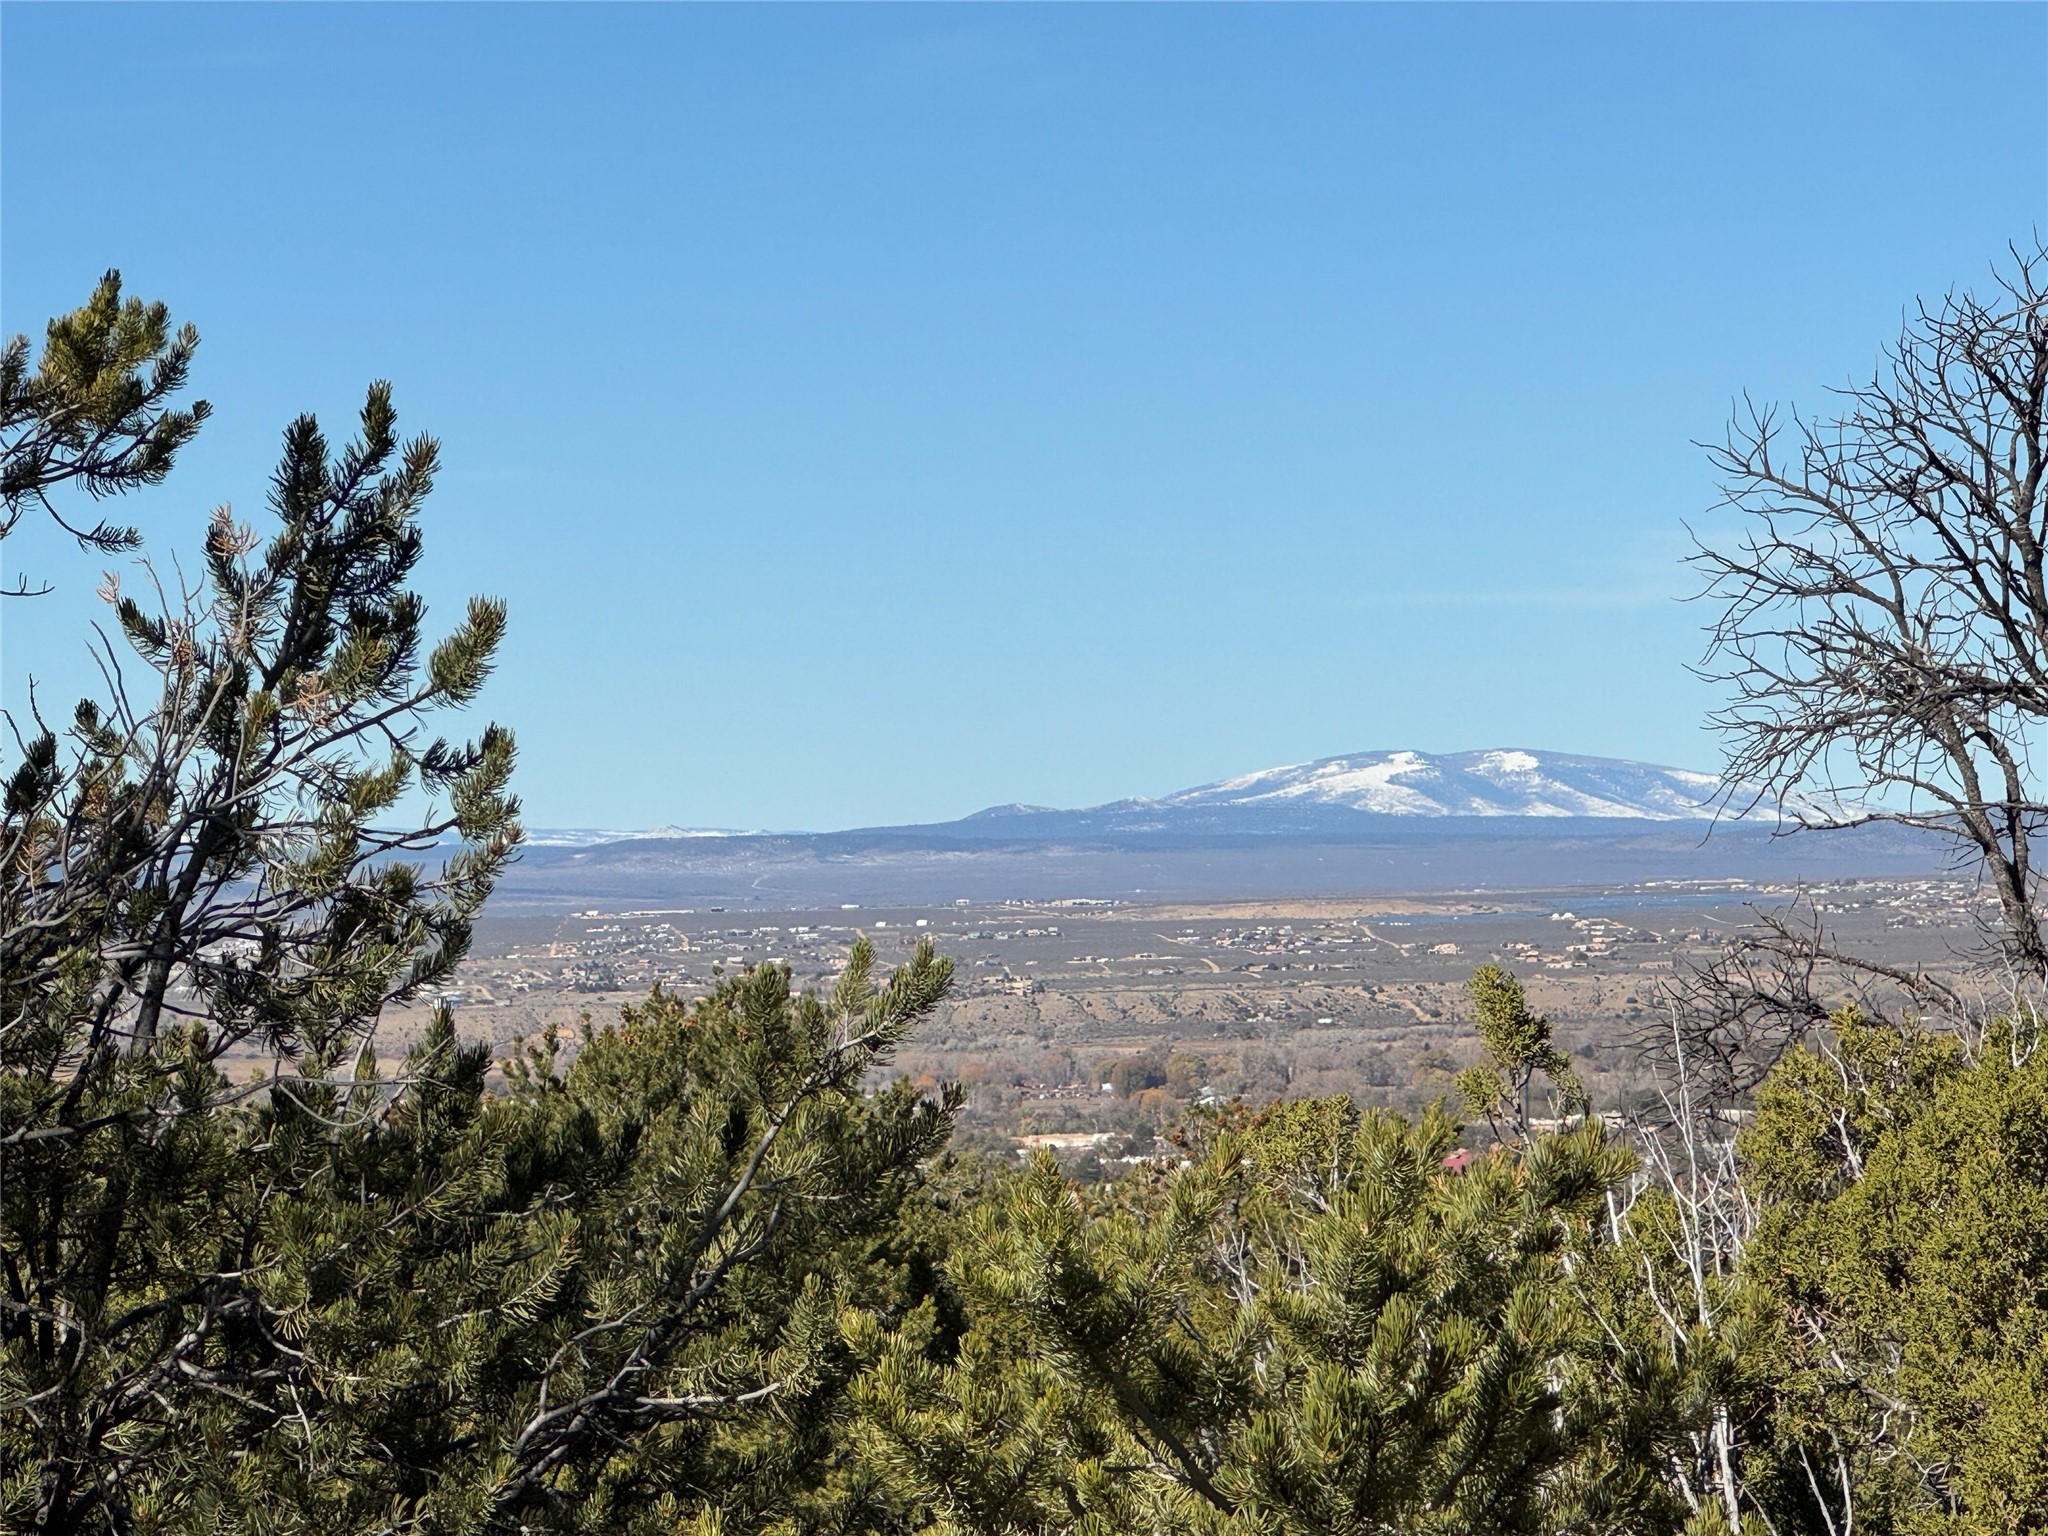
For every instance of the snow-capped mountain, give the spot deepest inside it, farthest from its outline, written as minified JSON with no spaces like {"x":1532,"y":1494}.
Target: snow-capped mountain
{"x":1399,"y":821}
{"x":1332,"y":795}
{"x":1347,"y":797}
{"x":1501,"y":782}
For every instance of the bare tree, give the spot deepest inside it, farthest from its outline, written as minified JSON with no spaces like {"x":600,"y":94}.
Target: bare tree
{"x":1884,"y":619}
{"x":1771,"y":987}
{"x":1882,"y":631}
{"x":1689,"y":1269}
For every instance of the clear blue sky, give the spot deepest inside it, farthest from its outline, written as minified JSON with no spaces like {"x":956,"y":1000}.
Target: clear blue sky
{"x":874,"y":413}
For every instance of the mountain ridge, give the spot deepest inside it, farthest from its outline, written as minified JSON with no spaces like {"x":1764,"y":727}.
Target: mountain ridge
{"x":1493,"y":781}
{"x":1362,"y":822}
{"x":1489,"y":783}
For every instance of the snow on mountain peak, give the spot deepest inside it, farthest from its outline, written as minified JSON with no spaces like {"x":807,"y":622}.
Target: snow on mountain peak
{"x":1497,"y":782}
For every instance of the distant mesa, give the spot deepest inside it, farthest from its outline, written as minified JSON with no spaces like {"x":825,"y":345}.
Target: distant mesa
{"x":590,"y":837}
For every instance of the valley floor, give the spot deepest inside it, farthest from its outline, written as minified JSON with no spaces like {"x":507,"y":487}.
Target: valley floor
{"x":1096,"y":1024}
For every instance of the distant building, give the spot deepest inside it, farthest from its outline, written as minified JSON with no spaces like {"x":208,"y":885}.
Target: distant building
{"x":1064,"y":1141}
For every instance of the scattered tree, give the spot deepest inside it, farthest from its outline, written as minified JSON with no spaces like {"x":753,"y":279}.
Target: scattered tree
{"x":1517,"y":1049}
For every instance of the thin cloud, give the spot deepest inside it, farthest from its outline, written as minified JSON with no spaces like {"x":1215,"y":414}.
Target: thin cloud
{"x":1521,"y":597}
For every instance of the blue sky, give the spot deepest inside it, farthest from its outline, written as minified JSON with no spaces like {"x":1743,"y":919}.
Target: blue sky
{"x":875,"y":413}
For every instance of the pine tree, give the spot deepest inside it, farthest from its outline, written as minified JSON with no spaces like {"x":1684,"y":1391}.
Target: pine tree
{"x":336,"y":1299}
{"x":606,"y":1301}
{"x":1316,"y":1328}
{"x":209,"y":858}
{"x":1903,"y":1240}
{"x":94,"y":412}
{"x":1517,"y":1049}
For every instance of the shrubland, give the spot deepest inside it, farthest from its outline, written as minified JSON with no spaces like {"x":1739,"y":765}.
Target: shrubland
{"x":695,"y":1272}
